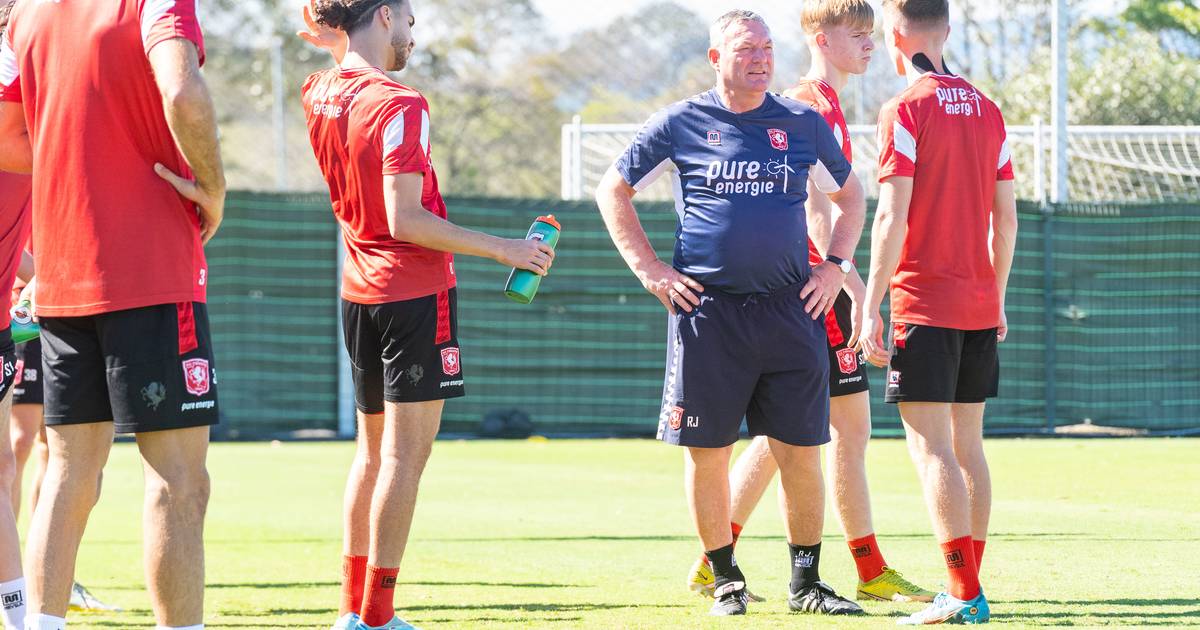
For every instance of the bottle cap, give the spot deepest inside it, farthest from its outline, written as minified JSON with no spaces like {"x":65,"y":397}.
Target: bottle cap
{"x":550,"y":220}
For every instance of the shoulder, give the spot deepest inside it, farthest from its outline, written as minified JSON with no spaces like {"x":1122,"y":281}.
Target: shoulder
{"x":805,"y":91}
{"x":798,"y":113}
{"x":314,"y":79}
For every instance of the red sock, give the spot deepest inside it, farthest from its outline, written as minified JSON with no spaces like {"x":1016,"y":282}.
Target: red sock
{"x":737,"y":531}
{"x":960,"y":561}
{"x":979,"y":545}
{"x":377,"y":606}
{"x":354,"y":575}
{"x":867,"y":557}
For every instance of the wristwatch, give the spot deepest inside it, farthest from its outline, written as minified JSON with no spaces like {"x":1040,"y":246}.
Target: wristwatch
{"x":845,"y":265}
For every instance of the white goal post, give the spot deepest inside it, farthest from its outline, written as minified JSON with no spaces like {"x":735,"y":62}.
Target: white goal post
{"x":1107,"y":163}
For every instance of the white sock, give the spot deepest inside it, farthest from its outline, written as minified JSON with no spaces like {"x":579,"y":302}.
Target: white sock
{"x":45,"y":622}
{"x":12,"y":603}
{"x":196,"y":627}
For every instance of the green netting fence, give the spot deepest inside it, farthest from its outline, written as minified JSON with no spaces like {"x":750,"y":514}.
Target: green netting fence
{"x":1103,"y":306}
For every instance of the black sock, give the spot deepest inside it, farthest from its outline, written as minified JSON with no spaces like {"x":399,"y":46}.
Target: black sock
{"x":805,"y":563}
{"x":724,"y":566}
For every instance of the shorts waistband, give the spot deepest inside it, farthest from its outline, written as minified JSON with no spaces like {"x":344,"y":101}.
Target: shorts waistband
{"x":749,"y":299}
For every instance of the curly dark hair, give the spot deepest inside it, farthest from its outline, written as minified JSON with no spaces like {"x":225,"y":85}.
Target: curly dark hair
{"x":5,"y":8}
{"x":349,"y":15}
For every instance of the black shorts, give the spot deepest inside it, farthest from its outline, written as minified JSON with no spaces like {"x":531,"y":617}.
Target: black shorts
{"x":404,"y":351}
{"x":931,"y":364}
{"x":847,"y":366}
{"x":8,"y":362}
{"x":145,"y":369}
{"x":27,"y":390}
{"x":758,"y":357}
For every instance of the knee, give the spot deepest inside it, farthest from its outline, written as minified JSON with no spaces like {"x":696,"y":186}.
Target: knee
{"x":22,"y":442}
{"x":186,"y":492}
{"x":798,"y":459}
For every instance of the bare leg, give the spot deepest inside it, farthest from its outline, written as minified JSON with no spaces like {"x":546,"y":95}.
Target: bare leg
{"x":10,"y":543}
{"x":850,"y":427}
{"x":751,"y":476}
{"x":967,"y":430}
{"x":927,"y":427}
{"x":361,"y":485}
{"x":41,"y":457}
{"x":706,"y":482}
{"x":407,"y":439}
{"x":177,"y":491}
{"x":78,"y":453}
{"x":26,"y":425}
{"x":802,"y":491}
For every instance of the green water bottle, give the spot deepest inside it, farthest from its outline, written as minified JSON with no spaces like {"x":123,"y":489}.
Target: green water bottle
{"x":23,"y":326}
{"x":523,"y":285}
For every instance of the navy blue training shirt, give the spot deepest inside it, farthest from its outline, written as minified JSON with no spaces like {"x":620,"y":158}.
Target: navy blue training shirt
{"x":741,"y":187}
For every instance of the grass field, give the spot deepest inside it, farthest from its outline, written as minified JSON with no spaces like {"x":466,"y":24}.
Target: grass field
{"x":595,"y":534}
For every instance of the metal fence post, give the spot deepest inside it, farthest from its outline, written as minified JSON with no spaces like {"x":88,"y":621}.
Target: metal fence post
{"x":1048,"y":318}
{"x":279,"y":114}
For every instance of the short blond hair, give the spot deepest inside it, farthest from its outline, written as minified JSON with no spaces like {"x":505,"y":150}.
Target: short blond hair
{"x":921,"y":13}
{"x":819,"y":14}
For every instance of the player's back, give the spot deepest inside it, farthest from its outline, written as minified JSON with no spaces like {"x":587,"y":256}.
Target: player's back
{"x":97,"y":126}
{"x":363,"y":126}
{"x":950,"y":138}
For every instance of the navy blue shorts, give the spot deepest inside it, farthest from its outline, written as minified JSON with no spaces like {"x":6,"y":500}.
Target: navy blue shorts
{"x":758,"y":357}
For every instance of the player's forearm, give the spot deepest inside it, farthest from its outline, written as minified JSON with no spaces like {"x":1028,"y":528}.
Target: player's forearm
{"x":25,"y":269}
{"x":615,"y":200}
{"x":849,"y":215}
{"x":16,"y":152}
{"x":887,"y":239}
{"x":419,"y":226}
{"x":819,"y":212}
{"x":192,"y":120}
{"x":1004,"y":235}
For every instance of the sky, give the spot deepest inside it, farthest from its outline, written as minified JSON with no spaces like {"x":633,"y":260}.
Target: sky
{"x":568,"y":16}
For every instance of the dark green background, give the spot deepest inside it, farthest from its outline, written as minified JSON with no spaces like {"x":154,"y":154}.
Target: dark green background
{"x":1112,"y":340}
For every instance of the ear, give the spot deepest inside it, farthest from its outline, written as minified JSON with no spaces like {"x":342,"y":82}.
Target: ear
{"x":822,"y":40}
{"x":714,"y":57}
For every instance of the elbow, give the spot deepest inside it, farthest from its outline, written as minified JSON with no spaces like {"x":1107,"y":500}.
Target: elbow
{"x":187,"y":94}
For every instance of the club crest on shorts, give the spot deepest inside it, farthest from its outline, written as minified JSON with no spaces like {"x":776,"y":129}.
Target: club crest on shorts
{"x":450,"y":361}
{"x":778,"y":139}
{"x":847,"y":360}
{"x":196,"y":377}
{"x":894,"y":378}
{"x":676,"y":418}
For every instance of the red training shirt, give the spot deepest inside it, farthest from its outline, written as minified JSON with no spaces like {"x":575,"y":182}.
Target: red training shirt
{"x":824,"y":99}
{"x":363,"y":126}
{"x":14,"y":230}
{"x":109,"y":233}
{"x":950,"y":139}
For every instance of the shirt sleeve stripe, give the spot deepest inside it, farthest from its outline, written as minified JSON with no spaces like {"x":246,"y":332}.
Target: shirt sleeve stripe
{"x":653,"y":175}
{"x":1005,"y":155}
{"x":904,"y":142}
{"x":823,"y":179}
{"x":393,"y":134}
{"x":152,"y":12}
{"x":425,"y":132}
{"x":8,"y":64}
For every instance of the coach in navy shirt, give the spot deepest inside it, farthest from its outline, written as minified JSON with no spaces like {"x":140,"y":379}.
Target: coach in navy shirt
{"x":746,"y":334}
